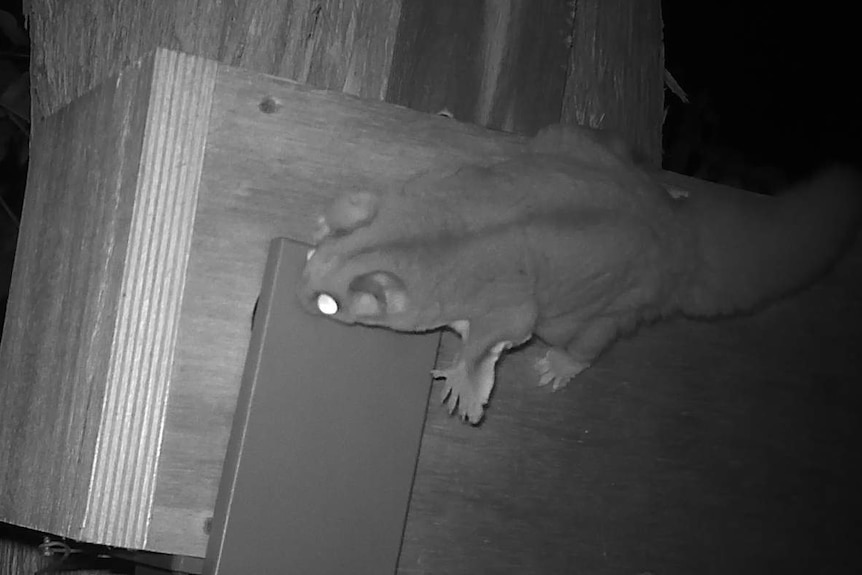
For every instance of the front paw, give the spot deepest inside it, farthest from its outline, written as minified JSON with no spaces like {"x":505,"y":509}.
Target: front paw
{"x":558,"y":368}
{"x":462,"y":393}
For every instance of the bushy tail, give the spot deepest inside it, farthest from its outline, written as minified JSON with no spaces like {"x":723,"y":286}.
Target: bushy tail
{"x":754,"y":248}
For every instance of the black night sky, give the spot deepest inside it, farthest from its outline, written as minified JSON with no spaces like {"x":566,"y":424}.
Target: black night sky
{"x":781,"y":79}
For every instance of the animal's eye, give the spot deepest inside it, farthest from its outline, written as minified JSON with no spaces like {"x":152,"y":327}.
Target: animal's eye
{"x":327,"y":304}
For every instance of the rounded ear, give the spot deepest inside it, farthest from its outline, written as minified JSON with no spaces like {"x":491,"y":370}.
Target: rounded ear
{"x":347,"y":213}
{"x":376,"y":294}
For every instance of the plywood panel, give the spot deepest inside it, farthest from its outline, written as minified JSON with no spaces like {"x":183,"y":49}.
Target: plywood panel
{"x":152,"y":288}
{"x":88,"y":343}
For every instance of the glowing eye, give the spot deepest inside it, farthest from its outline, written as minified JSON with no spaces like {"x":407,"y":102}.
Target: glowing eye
{"x":327,"y":304}
{"x":310,"y":254}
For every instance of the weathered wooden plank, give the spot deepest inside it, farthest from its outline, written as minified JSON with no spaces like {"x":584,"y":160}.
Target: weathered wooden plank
{"x":499,"y":64}
{"x":616,"y":72}
{"x":19,"y":554}
{"x":343,"y":45}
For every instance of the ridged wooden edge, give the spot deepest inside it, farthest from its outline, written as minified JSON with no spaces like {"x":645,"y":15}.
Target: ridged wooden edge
{"x":127,"y":449}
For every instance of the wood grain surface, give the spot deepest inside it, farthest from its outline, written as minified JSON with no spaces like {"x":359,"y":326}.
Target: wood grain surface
{"x":615,"y":74}
{"x":497,"y":64}
{"x":64,"y":301}
{"x":152,"y":290}
{"x":691,"y":447}
{"x":343,"y":45}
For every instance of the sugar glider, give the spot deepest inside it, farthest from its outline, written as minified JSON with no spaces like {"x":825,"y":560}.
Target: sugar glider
{"x":569,"y":242}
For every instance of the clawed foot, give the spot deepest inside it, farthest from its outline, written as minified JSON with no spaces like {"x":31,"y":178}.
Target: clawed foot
{"x":558,"y":368}
{"x":462,"y":393}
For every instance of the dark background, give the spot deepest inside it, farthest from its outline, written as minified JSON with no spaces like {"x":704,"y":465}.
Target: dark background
{"x":771,"y":83}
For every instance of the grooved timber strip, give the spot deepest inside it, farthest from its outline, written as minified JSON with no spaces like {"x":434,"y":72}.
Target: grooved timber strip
{"x":152,"y":289}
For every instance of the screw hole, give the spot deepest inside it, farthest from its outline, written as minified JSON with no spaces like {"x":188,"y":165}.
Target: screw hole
{"x":269,"y":105}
